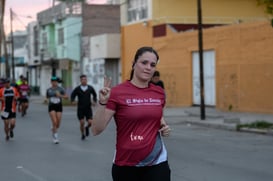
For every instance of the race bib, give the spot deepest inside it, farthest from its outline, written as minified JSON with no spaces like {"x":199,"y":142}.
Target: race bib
{"x":55,"y":100}
{"x":5,"y":114}
{"x":24,"y":93}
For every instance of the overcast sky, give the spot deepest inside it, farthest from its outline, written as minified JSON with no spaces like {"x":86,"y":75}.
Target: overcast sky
{"x":26,"y":11}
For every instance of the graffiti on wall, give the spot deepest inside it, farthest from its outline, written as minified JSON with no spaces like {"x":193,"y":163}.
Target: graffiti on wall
{"x":94,"y":70}
{"x":170,"y":87}
{"x":228,"y":98}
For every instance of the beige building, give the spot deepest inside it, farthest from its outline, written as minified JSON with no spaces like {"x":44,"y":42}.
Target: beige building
{"x":237,"y":42}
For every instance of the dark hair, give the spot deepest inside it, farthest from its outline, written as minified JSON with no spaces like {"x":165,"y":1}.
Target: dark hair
{"x":139,"y":52}
{"x":156,"y":74}
{"x":83,"y":75}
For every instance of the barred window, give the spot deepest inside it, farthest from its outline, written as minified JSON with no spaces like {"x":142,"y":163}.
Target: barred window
{"x":137,"y":10}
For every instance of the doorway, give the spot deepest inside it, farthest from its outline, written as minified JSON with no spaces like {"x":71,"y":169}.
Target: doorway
{"x":209,"y":78}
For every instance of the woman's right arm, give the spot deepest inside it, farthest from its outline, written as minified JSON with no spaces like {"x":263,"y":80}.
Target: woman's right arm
{"x":101,"y":119}
{"x":102,"y":115}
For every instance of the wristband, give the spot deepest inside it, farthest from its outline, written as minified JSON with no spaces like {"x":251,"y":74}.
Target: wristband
{"x":102,"y":104}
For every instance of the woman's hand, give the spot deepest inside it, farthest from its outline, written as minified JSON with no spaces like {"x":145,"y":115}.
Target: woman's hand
{"x":165,"y":130}
{"x":104,"y":93}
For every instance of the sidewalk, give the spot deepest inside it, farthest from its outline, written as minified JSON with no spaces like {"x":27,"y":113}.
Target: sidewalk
{"x":213,"y":118}
{"x":217,"y":119}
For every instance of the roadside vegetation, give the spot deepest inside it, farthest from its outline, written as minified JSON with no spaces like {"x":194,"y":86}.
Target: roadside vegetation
{"x":264,"y":125}
{"x":268,"y":7}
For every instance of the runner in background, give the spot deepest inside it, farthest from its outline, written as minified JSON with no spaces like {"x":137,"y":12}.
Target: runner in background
{"x":84,"y":92}
{"x":17,"y":84}
{"x":24,"y":90}
{"x":54,"y":96}
{"x":20,"y":81}
{"x":8,"y":98}
{"x":156,"y":79}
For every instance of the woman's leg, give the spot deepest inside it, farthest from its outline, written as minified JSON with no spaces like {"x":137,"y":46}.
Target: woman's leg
{"x":6,"y":128}
{"x":59,"y":118}
{"x":125,"y":173}
{"x":160,"y":172}
{"x":53,"y":117}
{"x":12,"y":126}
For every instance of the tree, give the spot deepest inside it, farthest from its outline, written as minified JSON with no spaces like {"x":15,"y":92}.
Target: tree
{"x":269,"y":7}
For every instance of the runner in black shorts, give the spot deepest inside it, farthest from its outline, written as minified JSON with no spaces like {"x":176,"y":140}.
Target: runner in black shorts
{"x":54,"y":95}
{"x":55,"y":107}
{"x":84,"y":93}
{"x":8,"y":97}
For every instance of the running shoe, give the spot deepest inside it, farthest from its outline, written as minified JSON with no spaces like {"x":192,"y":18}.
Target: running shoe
{"x":86,"y":131}
{"x":83,"y":137}
{"x":55,"y":138}
{"x":55,"y":141}
{"x":7,"y":138}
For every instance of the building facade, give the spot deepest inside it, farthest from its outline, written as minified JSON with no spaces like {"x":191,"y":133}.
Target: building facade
{"x":68,"y":34}
{"x":236,"y":40}
{"x":101,"y":44}
{"x":59,"y":44}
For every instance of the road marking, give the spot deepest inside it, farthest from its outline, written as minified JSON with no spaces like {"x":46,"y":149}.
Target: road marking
{"x":31,"y":174}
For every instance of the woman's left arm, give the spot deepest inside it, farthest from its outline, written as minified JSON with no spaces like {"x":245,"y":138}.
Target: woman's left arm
{"x":165,"y":129}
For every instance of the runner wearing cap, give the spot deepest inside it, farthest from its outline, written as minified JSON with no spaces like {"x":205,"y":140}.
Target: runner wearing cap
{"x":54,"y":95}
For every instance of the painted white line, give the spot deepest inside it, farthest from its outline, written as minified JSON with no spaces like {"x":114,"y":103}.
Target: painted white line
{"x":31,"y":174}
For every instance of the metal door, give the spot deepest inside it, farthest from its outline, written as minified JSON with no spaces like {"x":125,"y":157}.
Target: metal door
{"x":209,"y":78}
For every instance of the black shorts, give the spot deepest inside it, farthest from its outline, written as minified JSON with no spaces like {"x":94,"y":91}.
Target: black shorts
{"x":55,"y":107}
{"x":160,"y":172}
{"x":23,"y":100}
{"x":86,"y":113}
{"x":11,"y":115}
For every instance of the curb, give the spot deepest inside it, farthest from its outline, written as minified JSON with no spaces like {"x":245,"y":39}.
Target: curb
{"x":216,"y":123}
{"x":257,"y":131}
{"x":229,"y":127}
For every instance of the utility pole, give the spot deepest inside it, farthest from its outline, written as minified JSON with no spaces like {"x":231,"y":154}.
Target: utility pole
{"x":201,"y":67}
{"x":6,"y":57}
{"x":12,"y":45}
{"x":3,"y":38}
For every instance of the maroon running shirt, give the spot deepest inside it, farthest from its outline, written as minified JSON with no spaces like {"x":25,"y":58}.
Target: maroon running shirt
{"x":138,"y":112}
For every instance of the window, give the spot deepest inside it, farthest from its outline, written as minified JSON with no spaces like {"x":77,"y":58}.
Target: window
{"x":36,"y":41}
{"x":60,"y":36}
{"x":44,"y":39}
{"x":137,"y":10}
{"x":73,"y":8}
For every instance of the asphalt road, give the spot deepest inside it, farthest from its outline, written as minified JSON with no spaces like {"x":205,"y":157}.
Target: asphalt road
{"x":195,"y":153}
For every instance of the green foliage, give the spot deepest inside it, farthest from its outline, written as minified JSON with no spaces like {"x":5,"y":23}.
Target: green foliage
{"x":230,"y":107}
{"x":268,"y":4}
{"x":257,"y":125}
{"x":269,"y":7}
